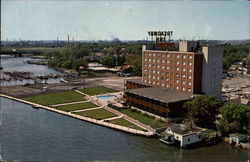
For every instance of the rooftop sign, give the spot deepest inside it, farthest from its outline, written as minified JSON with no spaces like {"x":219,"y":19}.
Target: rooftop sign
{"x":160,"y":36}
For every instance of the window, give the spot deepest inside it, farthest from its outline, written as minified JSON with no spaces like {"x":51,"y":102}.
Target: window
{"x":177,"y":81}
{"x":153,"y":83}
{"x":167,"y":55}
{"x":190,"y":70}
{"x":168,"y":67}
{"x":162,"y":61}
{"x":149,"y":76}
{"x":167,"y":79}
{"x":149,"y":54}
{"x":162,"y":85}
{"x":158,"y":66}
{"x":183,"y":89}
{"x":167,"y":61}
{"x":146,"y":59}
{"x":189,"y":83}
{"x":183,"y":82}
{"x":178,"y":62}
{"x":190,"y":57}
{"x":184,"y":70}
{"x":189,"y":77}
{"x":145,"y":70}
{"x":190,"y":64}
{"x":153,"y":77}
{"x":158,"y":60}
{"x":149,"y":59}
{"x":154,"y":54}
{"x":163,"y":67}
{"x":153,"y":60}
{"x":184,"y":56}
{"x":158,"y":72}
{"x":188,"y":139}
{"x":153,"y":71}
{"x":177,"y":69}
{"x":178,"y":56}
{"x":189,"y":90}
{"x":184,"y":63}
{"x":158,"y":78}
{"x":177,"y":87}
{"x":167,"y":85}
{"x":183,"y":76}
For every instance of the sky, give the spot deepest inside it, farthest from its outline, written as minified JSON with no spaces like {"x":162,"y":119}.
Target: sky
{"x":126,"y":20}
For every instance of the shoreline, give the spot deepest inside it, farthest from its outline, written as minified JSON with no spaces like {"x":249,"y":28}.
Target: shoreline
{"x":94,"y":121}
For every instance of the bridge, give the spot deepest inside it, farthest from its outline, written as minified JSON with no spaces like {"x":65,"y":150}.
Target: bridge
{"x":19,"y":52}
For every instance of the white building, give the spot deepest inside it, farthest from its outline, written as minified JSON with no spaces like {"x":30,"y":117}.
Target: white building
{"x":185,"y":134}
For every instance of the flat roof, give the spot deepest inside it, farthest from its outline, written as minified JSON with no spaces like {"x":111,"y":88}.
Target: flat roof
{"x":160,"y":94}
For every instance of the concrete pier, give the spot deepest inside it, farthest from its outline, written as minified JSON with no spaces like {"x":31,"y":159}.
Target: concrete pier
{"x":99,"y":122}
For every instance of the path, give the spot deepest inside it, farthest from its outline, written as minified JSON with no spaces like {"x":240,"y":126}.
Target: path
{"x":69,"y":103}
{"x":94,"y":108}
{"x":113,"y":118}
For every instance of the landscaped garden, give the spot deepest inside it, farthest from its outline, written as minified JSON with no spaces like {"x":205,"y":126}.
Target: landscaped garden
{"x":97,"y":114}
{"x":56,"y":98}
{"x":154,"y":123}
{"x":74,"y":107}
{"x":98,"y":90}
{"x":124,"y":122}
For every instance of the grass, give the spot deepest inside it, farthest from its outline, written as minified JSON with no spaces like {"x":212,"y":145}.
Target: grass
{"x":74,"y":107}
{"x":56,"y":98}
{"x":98,"y":90}
{"x":97,"y":114}
{"x":124,"y":122}
{"x":143,"y":119}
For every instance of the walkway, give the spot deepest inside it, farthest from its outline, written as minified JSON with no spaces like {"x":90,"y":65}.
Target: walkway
{"x":113,"y":118}
{"x":94,"y":108}
{"x":69,"y":103}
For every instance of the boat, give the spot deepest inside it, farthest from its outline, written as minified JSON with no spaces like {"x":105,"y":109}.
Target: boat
{"x":35,"y":106}
{"x":167,"y":140}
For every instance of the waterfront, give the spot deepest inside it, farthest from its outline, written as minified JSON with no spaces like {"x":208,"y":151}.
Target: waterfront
{"x":36,"y":134}
{"x":12,"y":63}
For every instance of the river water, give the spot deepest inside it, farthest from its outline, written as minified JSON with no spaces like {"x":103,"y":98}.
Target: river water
{"x":28,"y":134}
{"x":11,"y":63}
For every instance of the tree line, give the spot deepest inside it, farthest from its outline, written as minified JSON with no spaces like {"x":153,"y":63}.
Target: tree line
{"x":208,"y":112}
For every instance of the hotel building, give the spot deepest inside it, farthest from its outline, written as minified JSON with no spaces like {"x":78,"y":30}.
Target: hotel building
{"x":177,"y":76}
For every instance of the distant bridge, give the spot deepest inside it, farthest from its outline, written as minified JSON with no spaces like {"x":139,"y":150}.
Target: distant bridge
{"x":19,"y":52}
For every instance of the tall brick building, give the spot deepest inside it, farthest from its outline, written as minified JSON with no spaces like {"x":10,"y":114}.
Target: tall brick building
{"x":186,"y":70}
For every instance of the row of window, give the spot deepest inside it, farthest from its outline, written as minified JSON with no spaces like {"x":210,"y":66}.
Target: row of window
{"x":177,"y":81}
{"x":177,"y":69}
{"x":167,"y":55}
{"x":167,"y":61}
{"x":167,"y":85}
{"x":162,"y":77}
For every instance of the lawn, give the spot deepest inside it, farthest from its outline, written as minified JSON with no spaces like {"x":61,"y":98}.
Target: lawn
{"x":144,"y":119}
{"x":97,"y":114}
{"x":73,"y":107}
{"x":56,"y":98}
{"x":97,"y":90}
{"x":124,"y":122}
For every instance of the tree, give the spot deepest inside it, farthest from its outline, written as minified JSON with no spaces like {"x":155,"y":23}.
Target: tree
{"x":234,"y":118}
{"x":202,"y":110}
{"x":108,"y":61}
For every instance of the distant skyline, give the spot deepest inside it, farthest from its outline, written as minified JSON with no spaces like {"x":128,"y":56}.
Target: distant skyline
{"x":126,"y":20}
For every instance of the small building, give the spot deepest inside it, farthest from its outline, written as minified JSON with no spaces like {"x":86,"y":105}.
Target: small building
{"x":184,"y":134}
{"x":237,"y":138}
